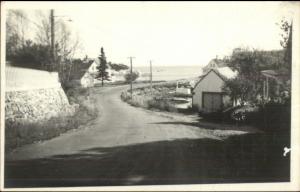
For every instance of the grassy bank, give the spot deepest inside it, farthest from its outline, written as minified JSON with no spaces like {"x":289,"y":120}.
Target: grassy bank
{"x":161,"y":97}
{"x":23,"y":132}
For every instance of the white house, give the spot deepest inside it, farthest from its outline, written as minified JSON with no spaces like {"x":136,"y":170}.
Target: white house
{"x":207,"y":93}
{"x":83,"y":74}
{"x":213,"y":64}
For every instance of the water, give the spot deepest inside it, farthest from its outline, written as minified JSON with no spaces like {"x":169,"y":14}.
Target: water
{"x":168,"y":73}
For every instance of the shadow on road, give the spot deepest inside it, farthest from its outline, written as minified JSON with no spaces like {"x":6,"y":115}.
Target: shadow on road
{"x":246,"y":158}
{"x":211,"y":126}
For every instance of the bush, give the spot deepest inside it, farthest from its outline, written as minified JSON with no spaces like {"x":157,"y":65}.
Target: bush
{"x":162,"y":104}
{"x":131,"y":77}
{"x":276,"y":116}
{"x":140,"y":100}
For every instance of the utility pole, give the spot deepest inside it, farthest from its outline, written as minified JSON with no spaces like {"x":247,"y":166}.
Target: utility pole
{"x":151,"y":77}
{"x":52,"y":39}
{"x":131,"y":74}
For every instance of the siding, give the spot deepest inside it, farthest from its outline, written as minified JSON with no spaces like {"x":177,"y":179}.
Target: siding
{"x":210,"y":83}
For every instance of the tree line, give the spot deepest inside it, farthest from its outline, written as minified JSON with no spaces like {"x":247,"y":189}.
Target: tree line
{"x":248,"y":86}
{"x":28,"y":42}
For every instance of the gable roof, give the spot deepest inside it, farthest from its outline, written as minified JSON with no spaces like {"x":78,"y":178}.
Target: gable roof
{"x":214,"y":63}
{"x":80,"y":69}
{"x":223,"y":72}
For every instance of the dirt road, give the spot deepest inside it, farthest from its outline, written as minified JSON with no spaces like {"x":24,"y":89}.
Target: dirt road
{"x":131,"y":146}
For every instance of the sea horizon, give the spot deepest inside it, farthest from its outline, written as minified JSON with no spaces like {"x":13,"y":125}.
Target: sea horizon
{"x":168,"y":73}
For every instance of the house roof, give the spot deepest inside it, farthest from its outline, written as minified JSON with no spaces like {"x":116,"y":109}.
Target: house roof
{"x":226,"y":72}
{"x":223,"y":72}
{"x":214,"y":63}
{"x":279,"y":76}
{"x":80,"y":69}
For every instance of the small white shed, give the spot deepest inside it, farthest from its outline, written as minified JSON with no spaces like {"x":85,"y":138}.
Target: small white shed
{"x":207,"y":93}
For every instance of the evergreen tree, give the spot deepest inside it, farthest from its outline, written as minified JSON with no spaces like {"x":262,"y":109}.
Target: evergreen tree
{"x":102,"y":67}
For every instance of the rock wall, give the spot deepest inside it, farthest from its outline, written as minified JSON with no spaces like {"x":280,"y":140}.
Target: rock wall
{"x":33,"y":96}
{"x":36,"y":105}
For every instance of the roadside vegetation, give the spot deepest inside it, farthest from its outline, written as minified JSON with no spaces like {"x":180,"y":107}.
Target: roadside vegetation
{"x":161,"y":98}
{"x":21,"y":133}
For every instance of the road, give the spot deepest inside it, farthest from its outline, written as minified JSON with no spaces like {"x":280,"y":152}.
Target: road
{"x":126,"y":145}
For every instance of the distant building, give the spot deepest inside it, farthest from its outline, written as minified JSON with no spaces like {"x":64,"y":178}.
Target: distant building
{"x":83,"y":74}
{"x":213,"y":64}
{"x":208,"y":95}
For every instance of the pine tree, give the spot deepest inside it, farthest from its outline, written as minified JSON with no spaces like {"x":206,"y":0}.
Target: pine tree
{"x":102,"y":67}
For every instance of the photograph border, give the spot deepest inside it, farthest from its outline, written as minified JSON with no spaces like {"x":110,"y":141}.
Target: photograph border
{"x":294,"y":185}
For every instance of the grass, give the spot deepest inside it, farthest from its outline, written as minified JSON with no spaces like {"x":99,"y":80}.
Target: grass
{"x":161,"y":97}
{"x":23,"y":132}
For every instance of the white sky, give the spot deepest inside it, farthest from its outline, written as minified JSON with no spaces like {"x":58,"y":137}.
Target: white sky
{"x":172,"y":33}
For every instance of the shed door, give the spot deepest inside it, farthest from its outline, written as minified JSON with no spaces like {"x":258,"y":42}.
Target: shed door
{"x":211,"y":102}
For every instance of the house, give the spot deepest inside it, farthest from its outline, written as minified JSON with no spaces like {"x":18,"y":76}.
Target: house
{"x":208,"y":95}
{"x":83,"y":74}
{"x":280,"y":79}
{"x":213,"y":64}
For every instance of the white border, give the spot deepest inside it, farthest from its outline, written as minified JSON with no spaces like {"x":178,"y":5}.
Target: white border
{"x":294,"y":185}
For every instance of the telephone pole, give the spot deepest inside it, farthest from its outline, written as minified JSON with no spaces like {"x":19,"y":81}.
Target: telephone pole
{"x":151,"y":77}
{"x":52,"y":39}
{"x":131,"y":74}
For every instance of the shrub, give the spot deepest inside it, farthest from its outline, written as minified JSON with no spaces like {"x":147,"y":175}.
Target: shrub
{"x":131,"y":77}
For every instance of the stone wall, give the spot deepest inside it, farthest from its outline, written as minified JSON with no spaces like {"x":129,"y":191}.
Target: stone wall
{"x":33,"y":96}
{"x":36,"y":105}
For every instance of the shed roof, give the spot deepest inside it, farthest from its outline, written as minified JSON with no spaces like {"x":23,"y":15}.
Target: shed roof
{"x":226,"y":72}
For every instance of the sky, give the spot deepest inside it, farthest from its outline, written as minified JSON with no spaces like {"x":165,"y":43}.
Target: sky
{"x":172,"y":33}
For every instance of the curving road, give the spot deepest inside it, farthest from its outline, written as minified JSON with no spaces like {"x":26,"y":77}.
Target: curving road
{"x":118,"y":124}
{"x":126,"y":146}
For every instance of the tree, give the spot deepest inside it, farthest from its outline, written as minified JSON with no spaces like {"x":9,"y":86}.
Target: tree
{"x":31,"y":55}
{"x":66,"y":43}
{"x":16,"y":25}
{"x":102,"y":67}
{"x":118,"y":67}
{"x":249,"y":64}
{"x":240,"y":89}
{"x":130,"y":77}
{"x":35,"y":53}
{"x":286,"y":43}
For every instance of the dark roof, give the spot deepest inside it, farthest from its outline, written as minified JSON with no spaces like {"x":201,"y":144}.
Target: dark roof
{"x":79,"y":69}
